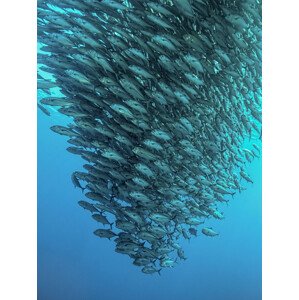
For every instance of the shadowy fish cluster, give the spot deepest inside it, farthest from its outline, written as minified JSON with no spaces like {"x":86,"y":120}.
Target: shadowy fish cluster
{"x":163,"y":95}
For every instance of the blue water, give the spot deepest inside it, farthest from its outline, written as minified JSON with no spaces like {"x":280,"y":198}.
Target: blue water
{"x":74,"y":264}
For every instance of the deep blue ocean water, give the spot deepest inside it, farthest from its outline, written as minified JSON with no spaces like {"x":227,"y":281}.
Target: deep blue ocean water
{"x":74,"y":264}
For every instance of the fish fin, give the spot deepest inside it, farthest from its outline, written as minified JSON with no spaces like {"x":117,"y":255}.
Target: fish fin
{"x":159,"y":271}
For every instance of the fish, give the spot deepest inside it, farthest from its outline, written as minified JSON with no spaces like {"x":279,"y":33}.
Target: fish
{"x":62,"y":130}
{"x":122,"y":110}
{"x":55,"y":101}
{"x":167,"y":263}
{"x":105,"y":233}
{"x":125,"y":225}
{"x":160,"y":218}
{"x":192,"y":231}
{"x":184,"y":7}
{"x":140,"y":152}
{"x":209,"y":232}
{"x":163,"y":41}
{"x":246,"y":176}
{"x":150,"y":270}
{"x":44,"y":110}
{"x":76,"y":182}
{"x":135,"y":105}
{"x":113,"y":155}
{"x":181,"y":254}
{"x":160,"y":134}
{"x":141,"y":261}
{"x":101,"y":219}
{"x":194,"y":221}
{"x":88,"y":206}
{"x":144,"y":170}
{"x":218,"y":215}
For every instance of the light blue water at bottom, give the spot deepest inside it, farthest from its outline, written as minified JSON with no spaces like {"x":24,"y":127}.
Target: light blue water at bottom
{"x":73,"y":264}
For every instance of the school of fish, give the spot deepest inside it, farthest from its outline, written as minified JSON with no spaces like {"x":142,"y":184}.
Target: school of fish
{"x":162,"y":95}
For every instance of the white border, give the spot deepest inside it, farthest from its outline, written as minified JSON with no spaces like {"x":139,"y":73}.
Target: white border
{"x":280,"y":150}
{"x":18,"y":150}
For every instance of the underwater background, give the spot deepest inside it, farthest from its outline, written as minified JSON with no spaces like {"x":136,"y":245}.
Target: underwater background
{"x":207,"y":125}
{"x":75,"y":264}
